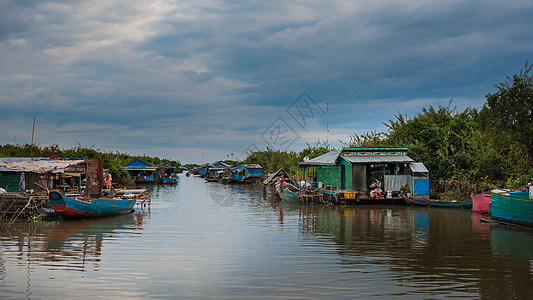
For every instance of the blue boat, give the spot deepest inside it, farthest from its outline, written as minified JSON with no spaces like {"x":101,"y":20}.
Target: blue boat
{"x":512,"y":207}
{"x":82,"y":207}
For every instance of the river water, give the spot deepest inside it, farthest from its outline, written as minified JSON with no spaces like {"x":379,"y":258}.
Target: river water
{"x":201,"y":240}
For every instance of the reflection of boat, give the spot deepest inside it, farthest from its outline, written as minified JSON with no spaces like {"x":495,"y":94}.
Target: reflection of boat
{"x":480,"y":203}
{"x":512,"y":242}
{"x":89,"y":208}
{"x":511,"y":206}
{"x":438,"y":203}
{"x":78,"y":244}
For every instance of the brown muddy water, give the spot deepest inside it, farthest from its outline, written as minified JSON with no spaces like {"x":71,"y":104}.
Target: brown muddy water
{"x":202,"y":240}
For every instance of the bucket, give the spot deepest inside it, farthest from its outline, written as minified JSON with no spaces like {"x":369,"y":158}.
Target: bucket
{"x":389,"y":194}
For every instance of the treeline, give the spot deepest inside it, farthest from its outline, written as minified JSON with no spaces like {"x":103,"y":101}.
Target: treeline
{"x":114,"y":161}
{"x":467,"y":152}
{"x":272,"y":160}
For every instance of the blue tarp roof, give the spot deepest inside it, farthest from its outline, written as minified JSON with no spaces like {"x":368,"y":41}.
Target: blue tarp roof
{"x":137,"y":163}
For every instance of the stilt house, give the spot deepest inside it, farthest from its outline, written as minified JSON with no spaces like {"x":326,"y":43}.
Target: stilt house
{"x":355,"y":169}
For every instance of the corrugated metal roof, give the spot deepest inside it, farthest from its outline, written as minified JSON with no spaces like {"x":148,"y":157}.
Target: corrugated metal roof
{"x":418,"y":167}
{"x":379,"y":159}
{"x":323,"y":160}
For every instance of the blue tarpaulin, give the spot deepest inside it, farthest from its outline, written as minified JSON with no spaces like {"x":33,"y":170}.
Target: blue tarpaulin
{"x":422,"y":186}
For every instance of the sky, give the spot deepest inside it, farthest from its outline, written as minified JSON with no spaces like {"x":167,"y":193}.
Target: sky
{"x":206,"y":80}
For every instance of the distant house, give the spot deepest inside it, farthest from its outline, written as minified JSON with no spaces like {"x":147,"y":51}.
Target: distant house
{"x":356,"y":169}
{"x":246,"y":173}
{"x":141,"y":171}
{"x":166,"y":173}
{"x":215,"y":168}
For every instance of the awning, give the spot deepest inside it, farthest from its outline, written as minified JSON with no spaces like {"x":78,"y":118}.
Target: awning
{"x":328,"y":159}
{"x":141,"y":169}
{"x":418,"y":168}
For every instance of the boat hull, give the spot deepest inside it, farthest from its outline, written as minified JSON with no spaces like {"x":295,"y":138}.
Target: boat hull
{"x":436,"y":203}
{"x":292,"y":197}
{"x":514,"y":208}
{"x":75,"y":209}
{"x":481,"y":202}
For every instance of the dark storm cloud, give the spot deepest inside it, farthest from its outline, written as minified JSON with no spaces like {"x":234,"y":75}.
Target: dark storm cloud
{"x":132,"y":75}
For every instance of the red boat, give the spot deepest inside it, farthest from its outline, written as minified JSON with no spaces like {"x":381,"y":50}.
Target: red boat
{"x":480,"y":203}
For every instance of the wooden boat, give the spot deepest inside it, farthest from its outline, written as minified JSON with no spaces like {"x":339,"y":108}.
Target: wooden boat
{"x":94,"y":202}
{"x":212,"y":179}
{"x":273,"y":179}
{"x":438,"y":203}
{"x":83,"y":207}
{"x":512,"y":207}
{"x":292,"y":194}
{"x":481,"y":202}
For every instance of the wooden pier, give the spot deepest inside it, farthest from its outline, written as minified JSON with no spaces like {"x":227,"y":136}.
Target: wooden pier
{"x":16,"y":205}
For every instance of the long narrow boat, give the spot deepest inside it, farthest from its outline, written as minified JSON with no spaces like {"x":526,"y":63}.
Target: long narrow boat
{"x":293,"y":195}
{"x":438,"y":203}
{"x":512,"y":207}
{"x":82,"y":207}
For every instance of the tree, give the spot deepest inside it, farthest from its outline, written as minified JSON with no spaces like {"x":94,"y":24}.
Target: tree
{"x":510,"y":110}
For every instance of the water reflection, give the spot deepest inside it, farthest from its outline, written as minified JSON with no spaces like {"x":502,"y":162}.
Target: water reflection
{"x":208,"y":240}
{"x":76,"y":244}
{"x":428,"y":252}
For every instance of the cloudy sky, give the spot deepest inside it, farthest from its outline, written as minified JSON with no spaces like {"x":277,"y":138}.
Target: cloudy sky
{"x":199,"y":80}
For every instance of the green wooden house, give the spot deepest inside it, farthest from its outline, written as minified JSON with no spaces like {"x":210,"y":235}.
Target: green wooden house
{"x":355,"y":169}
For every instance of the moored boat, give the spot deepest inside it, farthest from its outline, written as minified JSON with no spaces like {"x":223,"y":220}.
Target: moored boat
{"x":481,"y":202}
{"x":274,"y":179}
{"x":291,"y":194}
{"x":512,"y":206}
{"x":438,"y":203}
{"x":83,"y":207}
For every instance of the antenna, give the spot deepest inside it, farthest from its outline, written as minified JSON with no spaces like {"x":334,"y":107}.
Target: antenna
{"x":32,"y":133}
{"x":327,"y":122}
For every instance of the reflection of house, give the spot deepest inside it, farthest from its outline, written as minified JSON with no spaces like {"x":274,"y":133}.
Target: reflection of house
{"x":356,"y":169}
{"x":141,"y":171}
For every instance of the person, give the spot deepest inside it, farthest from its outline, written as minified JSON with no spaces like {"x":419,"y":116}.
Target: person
{"x":108,"y":181}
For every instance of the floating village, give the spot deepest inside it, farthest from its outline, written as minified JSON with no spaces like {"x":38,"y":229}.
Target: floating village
{"x":82,"y":188}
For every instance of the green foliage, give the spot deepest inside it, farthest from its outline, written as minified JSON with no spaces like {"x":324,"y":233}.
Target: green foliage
{"x":316,"y":150}
{"x":36,"y":218}
{"x":510,"y":110}
{"x":405,"y":189}
{"x":368,"y":140}
{"x":272,"y":160}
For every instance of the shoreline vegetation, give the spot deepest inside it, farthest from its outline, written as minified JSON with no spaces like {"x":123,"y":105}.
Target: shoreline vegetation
{"x":467,"y":152}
